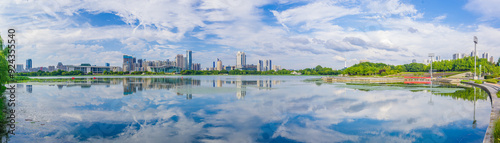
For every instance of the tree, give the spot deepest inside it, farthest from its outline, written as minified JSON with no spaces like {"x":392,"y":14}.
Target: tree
{"x":498,"y":62}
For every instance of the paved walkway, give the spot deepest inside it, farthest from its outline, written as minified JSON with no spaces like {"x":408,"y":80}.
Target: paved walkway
{"x":462,"y":75}
{"x":495,"y":111}
{"x":492,"y":89}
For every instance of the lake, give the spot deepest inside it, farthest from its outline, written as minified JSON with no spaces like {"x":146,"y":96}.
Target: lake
{"x":246,"y":109}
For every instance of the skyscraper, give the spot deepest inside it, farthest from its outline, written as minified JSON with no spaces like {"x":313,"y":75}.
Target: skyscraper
{"x":270,"y":65}
{"x":241,"y":60}
{"x":19,"y":68}
{"x":219,"y":65}
{"x":259,"y":65}
{"x":457,"y":56}
{"x":267,"y":65}
{"x":128,"y":63}
{"x":486,"y":55}
{"x":189,"y":59}
{"x":179,"y":61}
{"x":60,"y":66}
{"x":29,"y":64}
{"x":107,"y":64}
{"x":472,"y":54}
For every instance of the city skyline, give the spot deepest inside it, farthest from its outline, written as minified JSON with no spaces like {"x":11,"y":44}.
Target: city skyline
{"x":297,"y":34}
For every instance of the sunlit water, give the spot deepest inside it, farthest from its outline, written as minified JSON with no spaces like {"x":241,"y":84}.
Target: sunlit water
{"x":245,"y":109}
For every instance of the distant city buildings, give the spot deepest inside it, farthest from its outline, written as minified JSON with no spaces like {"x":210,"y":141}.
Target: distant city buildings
{"x":486,"y":55}
{"x":457,"y":56}
{"x":363,"y":61}
{"x":472,"y":54}
{"x":179,"y":60}
{"x":241,"y":60}
{"x":264,"y":65}
{"x":260,"y":65}
{"x":19,"y":68}
{"x":29,"y":64}
{"x":268,"y":65}
{"x":189,"y":59}
{"x":128,"y":63}
{"x":219,"y":65}
{"x":196,"y":67}
{"x":427,"y":61}
{"x":414,"y":61}
{"x":87,"y":68}
{"x":52,"y":68}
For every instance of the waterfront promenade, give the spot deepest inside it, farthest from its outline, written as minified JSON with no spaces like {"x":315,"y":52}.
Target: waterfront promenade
{"x":492,"y":90}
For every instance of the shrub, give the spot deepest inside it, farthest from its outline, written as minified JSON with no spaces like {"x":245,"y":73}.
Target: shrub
{"x":478,"y":81}
{"x":496,"y":131}
{"x":491,"y":80}
{"x":488,"y":77}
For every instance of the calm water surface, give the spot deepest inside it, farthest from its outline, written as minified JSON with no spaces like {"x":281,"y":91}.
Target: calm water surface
{"x":246,"y":109}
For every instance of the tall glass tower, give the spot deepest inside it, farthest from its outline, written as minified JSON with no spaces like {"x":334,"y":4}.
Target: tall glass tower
{"x":189,"y":59}
{"x":29,"y":64}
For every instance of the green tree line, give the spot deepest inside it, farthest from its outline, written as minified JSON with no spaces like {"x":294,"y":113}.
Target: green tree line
{"x":464,"y":64}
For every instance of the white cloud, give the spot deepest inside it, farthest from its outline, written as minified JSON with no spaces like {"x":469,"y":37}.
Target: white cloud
{"x":310,"y":32}
{"x":487,"y":8}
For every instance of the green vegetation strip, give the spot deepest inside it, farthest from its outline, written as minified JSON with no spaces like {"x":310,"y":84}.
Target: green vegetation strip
{"x":496,"y":131}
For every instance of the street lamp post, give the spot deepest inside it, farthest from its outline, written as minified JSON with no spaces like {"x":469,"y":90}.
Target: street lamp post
{"x":432,"y":57}
{"x":475,"y":53}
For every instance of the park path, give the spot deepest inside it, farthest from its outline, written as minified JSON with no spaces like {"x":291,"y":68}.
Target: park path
{"x":495,"y":109}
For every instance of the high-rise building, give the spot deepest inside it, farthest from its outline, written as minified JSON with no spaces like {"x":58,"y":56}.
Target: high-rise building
{"x":259,"y":65}
{"x":196,"y":66}
{"x":52,"y":68}
{"x":29,"y":64}
{"x":189,"y":59}
{"x":19,"y":68}
{"x":179,"y":61}
{"x":107,"y":64}
{"x":492,"y":60}
{"x":139,"y":62}
{"x":268,"y":65}
{"x":128,"y":63}
{"x":457,"y":56}
{"x":219,"y":65}
{"x":241,"y":60}
{"x":277,"y":67}
{"x":60,"y":66}
{"x":486,"y":55}
{"x":438,"y":58}
{"x":472,"y":54}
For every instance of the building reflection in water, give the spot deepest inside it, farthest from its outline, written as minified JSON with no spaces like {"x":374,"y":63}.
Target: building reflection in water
{"x":29,"y":88}
{"x":132,"y":85}
{"x":241,"y":85}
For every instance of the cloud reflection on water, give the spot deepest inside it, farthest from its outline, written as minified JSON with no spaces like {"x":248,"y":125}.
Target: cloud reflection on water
{"x":236,"y":109}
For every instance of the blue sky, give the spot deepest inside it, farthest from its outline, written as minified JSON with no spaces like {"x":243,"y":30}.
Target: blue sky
{"x":293,"y":33}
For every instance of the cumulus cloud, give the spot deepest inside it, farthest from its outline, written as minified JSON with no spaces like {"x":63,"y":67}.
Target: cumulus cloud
{"x":219,"y":27}
{"x":340,"y":46}
{"x":487,"y":8}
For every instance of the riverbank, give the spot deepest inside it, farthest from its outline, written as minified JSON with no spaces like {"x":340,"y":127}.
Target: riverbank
{"x":492,"y":90}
